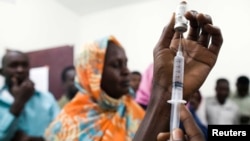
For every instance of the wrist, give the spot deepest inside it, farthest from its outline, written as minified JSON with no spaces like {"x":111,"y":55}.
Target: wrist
{"x":17,"y":107}
{"x":157,"y":115}
{"x":159,"y":97}
{"x":160,"y":93}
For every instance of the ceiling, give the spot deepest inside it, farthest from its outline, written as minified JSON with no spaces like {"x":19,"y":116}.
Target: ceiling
{"x":84,"y":7}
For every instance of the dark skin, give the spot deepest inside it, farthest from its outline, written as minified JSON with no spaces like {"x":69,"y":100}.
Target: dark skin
{"x":16,"y":72}
{"x":243,"y":89}
{"x":195,"y":100}
{"x":68,"y":84}
{"x":222,"y":91}
{"x":192,"y":130}
{"x":135,"y":80}
{"x":200,"y":57}
{"x":115,"y":77}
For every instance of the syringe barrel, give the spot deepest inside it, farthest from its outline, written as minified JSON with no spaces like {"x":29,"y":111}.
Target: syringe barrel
{"x":178,"y":72}
{"x":177,"y":90}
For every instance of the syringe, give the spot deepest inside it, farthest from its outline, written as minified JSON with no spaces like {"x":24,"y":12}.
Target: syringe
{"x":178,"y":69}
{"x":177,"y":89}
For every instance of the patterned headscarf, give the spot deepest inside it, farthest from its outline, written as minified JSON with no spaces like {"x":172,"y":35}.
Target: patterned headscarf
{"x":93,"y":115}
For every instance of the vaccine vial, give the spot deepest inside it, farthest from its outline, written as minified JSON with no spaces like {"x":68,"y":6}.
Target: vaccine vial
{"x":180,"y":20}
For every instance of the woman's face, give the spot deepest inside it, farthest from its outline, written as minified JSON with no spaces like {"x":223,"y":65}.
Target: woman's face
{"x":115,"y":77}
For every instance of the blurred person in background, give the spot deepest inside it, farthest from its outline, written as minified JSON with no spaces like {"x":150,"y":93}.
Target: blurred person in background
{"x":144,"y":91}
{"x":220,"y":109}
{"x":135,"y":79}
{"x":242,"y":99}
{"x":25,"y":112}
{"x":69,"y":88}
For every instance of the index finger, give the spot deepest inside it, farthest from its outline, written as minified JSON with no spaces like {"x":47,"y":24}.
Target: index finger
{"x":14,"y":81}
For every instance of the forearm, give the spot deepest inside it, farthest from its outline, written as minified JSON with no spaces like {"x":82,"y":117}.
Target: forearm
{"x":157,"y":115}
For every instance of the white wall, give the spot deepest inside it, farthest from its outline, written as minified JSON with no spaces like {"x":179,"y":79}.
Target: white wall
{"x":35,"y":24}
{"x":138,"y":28}
{"x":232,"y":17}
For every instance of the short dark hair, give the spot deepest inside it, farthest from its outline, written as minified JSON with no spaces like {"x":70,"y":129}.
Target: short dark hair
{"x":221,"y":80}
{"x":64,"y":72}
{"x":15,"y":51}
{"x":136,"y":73}
{"x":243,"y":80}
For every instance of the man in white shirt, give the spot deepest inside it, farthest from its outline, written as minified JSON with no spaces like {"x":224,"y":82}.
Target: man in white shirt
{"x":220,"y":109}
{"x":242,"y":99}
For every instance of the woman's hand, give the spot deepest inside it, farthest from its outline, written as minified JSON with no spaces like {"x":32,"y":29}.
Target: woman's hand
{"x":200,"y":50}
{"x":200,"y":54}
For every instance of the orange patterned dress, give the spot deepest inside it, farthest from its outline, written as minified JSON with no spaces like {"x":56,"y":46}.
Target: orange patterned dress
{"x":92,"y":115}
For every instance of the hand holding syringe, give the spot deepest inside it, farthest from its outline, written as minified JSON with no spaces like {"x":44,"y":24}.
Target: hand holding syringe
{"x":200,"y":49}
{"x":178,"y":69}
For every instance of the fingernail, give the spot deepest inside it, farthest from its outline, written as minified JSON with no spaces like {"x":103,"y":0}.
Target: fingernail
{"x":177,"y":135}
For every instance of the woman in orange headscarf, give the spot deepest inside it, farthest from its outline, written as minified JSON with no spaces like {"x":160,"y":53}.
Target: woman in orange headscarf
{"x":102,"y":110}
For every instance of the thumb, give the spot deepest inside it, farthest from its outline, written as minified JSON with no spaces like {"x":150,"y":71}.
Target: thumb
{"x":163,"y":136}
{"x":177,"y":135}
